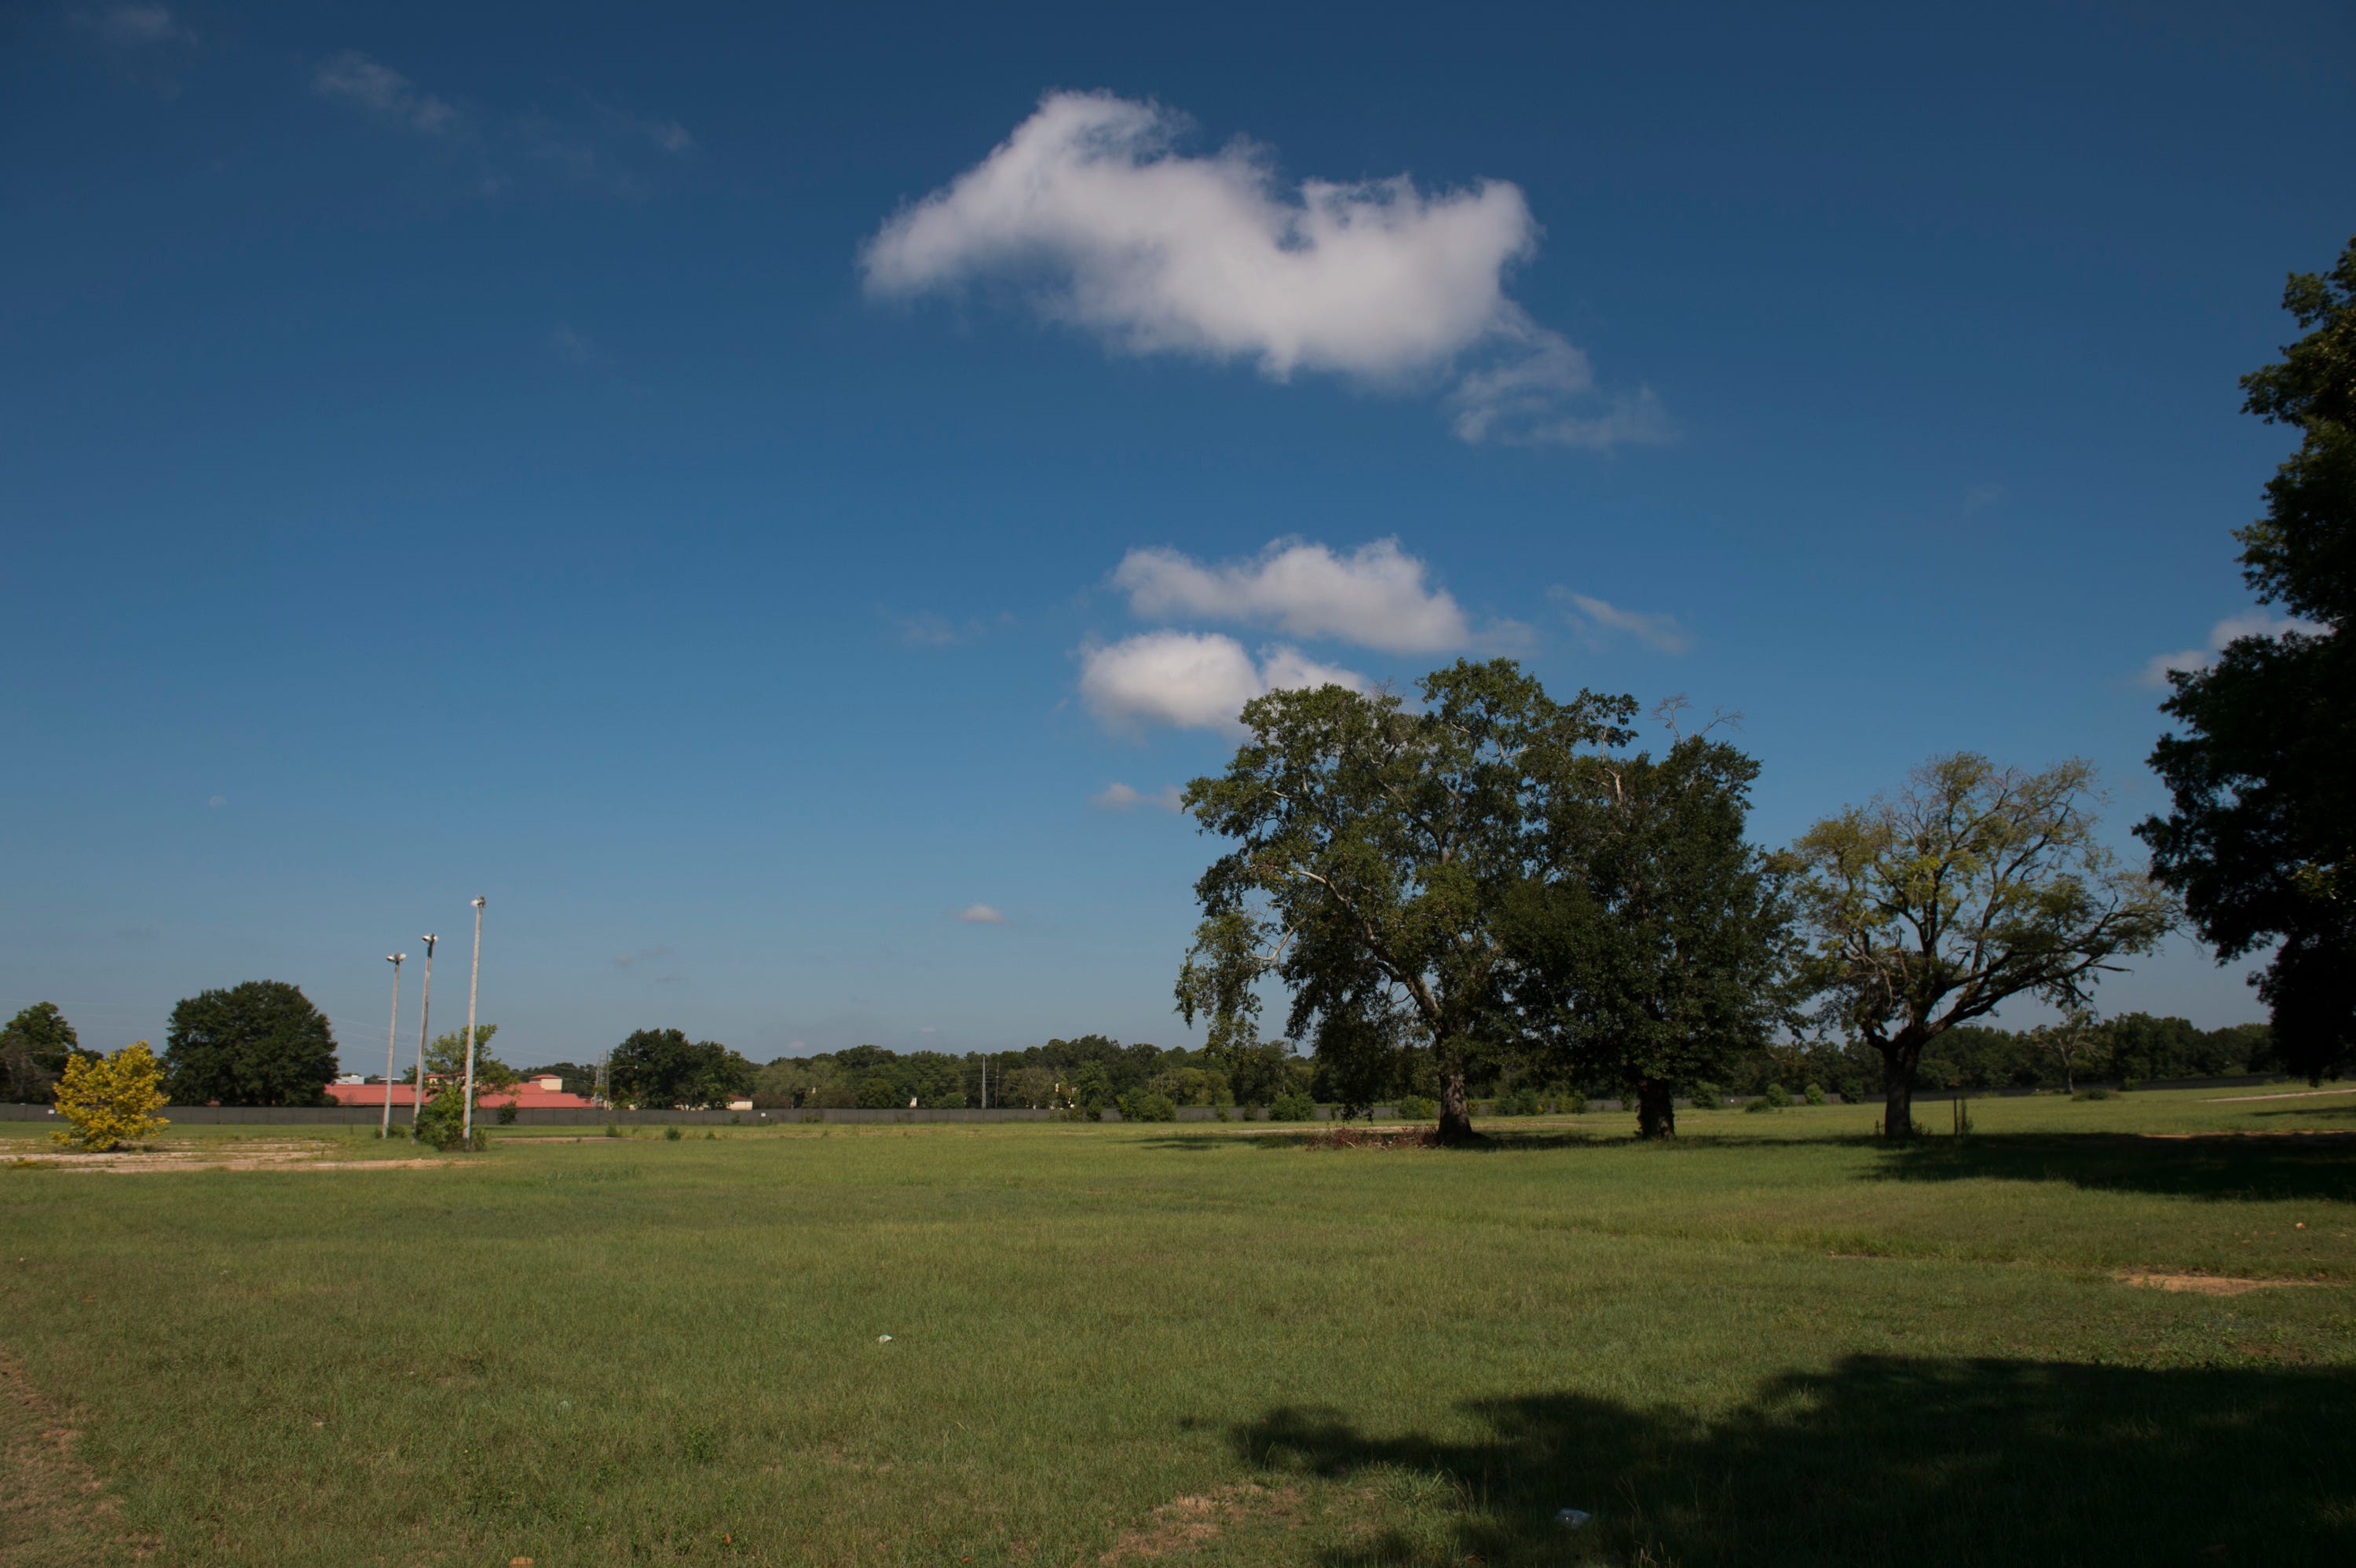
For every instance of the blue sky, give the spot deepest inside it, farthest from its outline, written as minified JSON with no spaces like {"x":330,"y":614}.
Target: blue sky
{"x":738,"y":490}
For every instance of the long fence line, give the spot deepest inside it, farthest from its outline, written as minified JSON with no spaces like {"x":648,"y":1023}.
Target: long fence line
{"x":358,"y":1115}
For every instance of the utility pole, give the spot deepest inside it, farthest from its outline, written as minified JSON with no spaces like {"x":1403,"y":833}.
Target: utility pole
{"x":392,"y":1030}
{"x":424,"y":1012}
{"x":985,"y":1079}
{"x":466,"y":1124}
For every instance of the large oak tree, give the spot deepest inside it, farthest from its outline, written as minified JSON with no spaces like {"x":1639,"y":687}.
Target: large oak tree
{"x":1651,"y":944}
{"x":261,"y":1043}
{"x":1973,"y":884}
{"x":2262,"y":766}
{"x":1374,"y":846}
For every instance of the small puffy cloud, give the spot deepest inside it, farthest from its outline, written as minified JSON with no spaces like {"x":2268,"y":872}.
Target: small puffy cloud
{"x":216,"y":801}
{"x":1193,"y":680}
{"x":1600,"y":620}
{"x":979,"y":914}
{"x":1375,"y":595}
{"x":1117,"y":797}
{"x":352,"y":78}
{"x":1110,"y":228}
{"x":2253,"y":624}
{"x":624,"y":960}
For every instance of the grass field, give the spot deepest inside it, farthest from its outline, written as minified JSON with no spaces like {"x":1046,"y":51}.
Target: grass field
{"x":1769,"y":1343}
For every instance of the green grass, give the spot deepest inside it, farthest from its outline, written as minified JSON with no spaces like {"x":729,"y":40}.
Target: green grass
{"x":1771,"y":1342}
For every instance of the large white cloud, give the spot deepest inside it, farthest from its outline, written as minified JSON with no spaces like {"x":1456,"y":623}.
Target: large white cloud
{"x":1375,"y":595}
{"x":1159,"y":252}
{"x":1194,"y":680}
{"x":2256,"y":623}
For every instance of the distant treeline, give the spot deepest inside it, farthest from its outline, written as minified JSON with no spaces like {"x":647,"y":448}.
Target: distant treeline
{"x":1094,"y":1071}
{"x":1089,"y":1073}
{"x":2130,"y":1048}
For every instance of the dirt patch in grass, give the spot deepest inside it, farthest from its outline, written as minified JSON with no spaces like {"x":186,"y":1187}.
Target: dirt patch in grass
{"x":273,"y":1155}
{"x":2208,"y":1283}
{"x":54,"y":1510}
{"x":1183,"y":1523}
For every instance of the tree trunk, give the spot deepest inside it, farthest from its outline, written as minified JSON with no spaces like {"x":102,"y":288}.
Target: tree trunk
{"x":1455,"y":1109}
{"x":1897,"y":1092}
{"x":1656,"y":1109}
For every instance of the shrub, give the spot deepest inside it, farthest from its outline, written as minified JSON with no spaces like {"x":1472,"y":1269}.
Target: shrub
{"x":1291,"y":1105}
{"x":1573,"y":1103}
{"x":2097,"y":1093}
{"x":442,"y":1124}
{"x":111,"y":1100}
{"x":1814,"y":1093}
{"x":1777,"y":1096}
{"x":612,"y":1131}
{"x":1146,"y":1106}
{"x":1762,"y":1104}
{"x":2129,"y":1085}
{"x":1707,"y":1097}
{"x":508,"y":1115}
{"x":672,"y":1134}
{"x":1521,"y":1102}
{"x":1417,"y":1108}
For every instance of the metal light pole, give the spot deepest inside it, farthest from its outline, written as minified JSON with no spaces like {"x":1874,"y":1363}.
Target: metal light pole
{"x":392,"y":1030}
{"x":424,"y":1012}
{"x":467,"y":1134}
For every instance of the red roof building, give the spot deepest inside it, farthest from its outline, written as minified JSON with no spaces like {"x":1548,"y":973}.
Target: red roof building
{"x":532,"y":1094}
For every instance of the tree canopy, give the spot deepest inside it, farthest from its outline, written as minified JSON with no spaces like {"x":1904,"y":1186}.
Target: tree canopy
{"x":1973,"y":884}
{"x":1374,"y":844}
{"x":2262,"y":769}
{"x":261,"y":1043}
{"x":446,"y":1059}
{"x":1649,"y":946}
{"x":663,"y":1067}
{"x":33,"y":1051}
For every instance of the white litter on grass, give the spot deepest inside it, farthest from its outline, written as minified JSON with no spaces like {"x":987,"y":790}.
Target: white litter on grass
{"x":1573,"y":1518}
{"x":882,"y":1338}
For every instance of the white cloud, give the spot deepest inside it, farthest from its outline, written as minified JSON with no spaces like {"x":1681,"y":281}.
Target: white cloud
{"x":1597,"y":619}
{"x":135,"y":26}
{"x":352,"y":78}
{"x":1195,"y":680}
{"x":978,"y":914}
{"x":1155,"y":252}
{"x":1375,"y":595}
{"x":1117,"y":797}
{"x":2253,"y":624}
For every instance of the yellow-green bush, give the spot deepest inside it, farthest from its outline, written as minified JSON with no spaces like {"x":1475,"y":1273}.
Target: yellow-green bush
{"x":112,"y":1100}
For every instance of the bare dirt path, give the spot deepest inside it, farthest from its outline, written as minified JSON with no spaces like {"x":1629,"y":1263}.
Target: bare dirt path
{"x":281,"y":1154}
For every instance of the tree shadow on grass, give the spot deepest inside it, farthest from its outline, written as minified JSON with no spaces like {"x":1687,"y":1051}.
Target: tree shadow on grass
{"x":1917,"y":1462}
{"x":2239,"y":1168}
